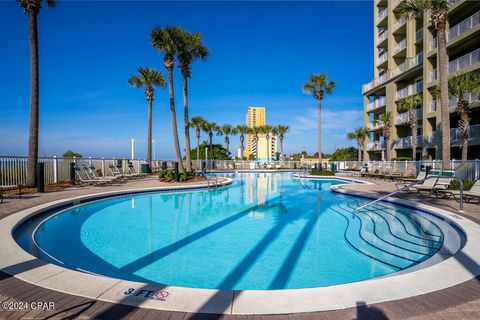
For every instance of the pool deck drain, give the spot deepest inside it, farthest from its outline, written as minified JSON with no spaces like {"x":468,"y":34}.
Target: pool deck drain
{"x":465,"y":265}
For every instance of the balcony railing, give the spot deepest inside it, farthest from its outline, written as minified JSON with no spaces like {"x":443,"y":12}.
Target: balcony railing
{"x":399,"y":69}
{"x":373,"y":126}
{"x":382,"y":15}
{"x":377,"y":103}
{"x":458,"y":64}
{"x":452,"y":102}
{"x":400,"y":22}
{"x":383,"y":57}
{"x":463,"y":26}
{"x":474,"y":133}
{"x":415,"y":61}
{"x":376,"y":145}
{"x":410,"y":90}
{"x":464,"y":61}
{"x":432,"y":106}
{"x":405,"y":117}
{"x":419,"y":35}
{"x":382,"y":36}
{"x":457,"y":30}
{"x":400,"y":46}
{"x":406,"y":142}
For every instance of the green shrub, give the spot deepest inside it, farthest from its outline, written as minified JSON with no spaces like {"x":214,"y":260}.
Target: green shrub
{"x":402,"y":159}
{"x":455,"y":185}
{"x":166,"y":175}
{"x":183,"y":176}
{"x":317,"y":172}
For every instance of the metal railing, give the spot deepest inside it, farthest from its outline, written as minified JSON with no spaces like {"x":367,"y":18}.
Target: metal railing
{"x":405,"y":116}
{"x":410,"y":90}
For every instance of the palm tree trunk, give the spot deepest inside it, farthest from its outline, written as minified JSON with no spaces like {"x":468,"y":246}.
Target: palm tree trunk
{"x":174,"y":119}
{"x":210,"y":135}
{"x":359,"y":150}
{"x":320,"y":132}
{"x":413,"y":131}
{"x":34,"y":102}
{"x":256,"y":152}
{"x":445,"y":113}
{"x":227,"y":142}
{"x":198,"y":143}
{"x":187,"y":125}
{"x":149,"y":142}
{"x":241,"y":146}
{"x":465,"y":149}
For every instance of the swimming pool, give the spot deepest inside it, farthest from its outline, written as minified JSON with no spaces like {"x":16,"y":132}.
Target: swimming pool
{"x":267,"y":231}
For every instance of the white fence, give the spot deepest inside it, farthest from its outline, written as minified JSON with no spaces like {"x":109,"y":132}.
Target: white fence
{"x":13,"y":169}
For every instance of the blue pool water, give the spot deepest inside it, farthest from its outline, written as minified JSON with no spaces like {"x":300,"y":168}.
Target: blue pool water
{"x":267,"y":231}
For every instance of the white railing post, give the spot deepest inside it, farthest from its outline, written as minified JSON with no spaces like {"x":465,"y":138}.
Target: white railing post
{"x":55,"y":169}
{"x":89,"y":161}
{"x":103,"y":167}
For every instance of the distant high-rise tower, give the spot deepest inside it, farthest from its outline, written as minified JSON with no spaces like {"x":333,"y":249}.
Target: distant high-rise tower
{"x":256,"y":117}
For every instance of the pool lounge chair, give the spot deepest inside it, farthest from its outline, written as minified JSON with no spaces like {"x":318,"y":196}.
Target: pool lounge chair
{"x":91,"y":172}
{"x":84,"y":179}
{"x":132,"y":170}
{"x":10,"y":187}
{"x":468,"y":195}
{"x":402,"y":182}
{"x":117,"y":173}
{"x":433,"y":185}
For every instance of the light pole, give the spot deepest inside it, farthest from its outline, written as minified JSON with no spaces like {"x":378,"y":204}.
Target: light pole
{"x":133,"y":149}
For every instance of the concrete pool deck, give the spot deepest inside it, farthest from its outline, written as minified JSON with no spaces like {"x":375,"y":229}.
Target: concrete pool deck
{"x":470,"y":290}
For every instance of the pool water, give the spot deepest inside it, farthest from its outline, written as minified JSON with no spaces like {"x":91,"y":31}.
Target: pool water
{"x":266,"y":231}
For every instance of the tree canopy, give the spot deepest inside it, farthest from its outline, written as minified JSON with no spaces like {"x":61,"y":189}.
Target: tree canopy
{"x":219,"y":152}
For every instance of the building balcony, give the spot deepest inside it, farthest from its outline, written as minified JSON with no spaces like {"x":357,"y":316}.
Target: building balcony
{"x":376,"y":146}
{"x":404,"y":117}
{"x":458,"y":64}
{"x":375,"y":104}
{"x":406,"y":142}
{"x":410,"y":90}
{"x":452,"y":102}
{"x":374,"y":83}
{"x":407,"y":65}
{"x":383,"y":57}
{"x":455,"y":135}
{"x":457,"y":30}
{"x":400,"y":46}
{"x":399,"y":23}
{"x":419,"y":35}
{"x":382,"y":36}
{"x":432,"y":106}
{"x":382,"y":15}
{"x":375,"y":126}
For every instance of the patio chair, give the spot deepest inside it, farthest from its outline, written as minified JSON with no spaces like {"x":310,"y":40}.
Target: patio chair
{"x":10,"y":187}
{"x":394,"y":173}
{"x":468,"y":195}
{"x":117,"y":173}
{"x":85,"y":180}
{"x":402,"y":182}
{"x":132,"y":170}
{"x":91,"y":171}
{"x":433,"y":185}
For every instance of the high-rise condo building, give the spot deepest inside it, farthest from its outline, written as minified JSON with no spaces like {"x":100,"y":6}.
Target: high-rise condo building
{"x":256,"y":117}
{"x":406,"y":63}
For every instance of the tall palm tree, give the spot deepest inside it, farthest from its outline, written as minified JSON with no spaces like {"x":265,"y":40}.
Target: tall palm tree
{"x":190,"y":47}
{"x":459,"y":87}
{"x":439,"y":14}
{"x":410,"y":104}
{"x":359,"y":135}
{"x":242,"y":131}
{"x":148,"y":78}
{"x":32,"y":9}
{"x":386,"y":119}
{"x":210,"y":128}
{"x":318,"y":86}
{"x":166,"y":41}
{"x":226,"y":130}
{"x":267,"y":130}
{"x":282,"y":130}
{"x":274,"y":133}
{"x":197,"y":123}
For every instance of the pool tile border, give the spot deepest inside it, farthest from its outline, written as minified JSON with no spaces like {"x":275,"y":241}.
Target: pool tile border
{"x":464,"y":266}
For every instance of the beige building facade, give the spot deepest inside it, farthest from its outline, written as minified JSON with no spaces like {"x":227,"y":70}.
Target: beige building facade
{"x":266,"y":149}
{"x":405,"y":63}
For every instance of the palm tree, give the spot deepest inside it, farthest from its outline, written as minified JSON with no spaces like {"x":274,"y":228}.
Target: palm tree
{"x":226,"y":129}
{"x":148,"y":78}
{"x":439,"y":14}
{"x":318,"y":86}
{"x":267,"y":130}
{"x":32,"y":9}
{"x":190,"y":48}
{"x":210,"y":128}
{"x":282,"y":130}
{"x":385,"y":119}
{"x":274,"y":133}
{"x":166,"y":41}
{"x":242,"y":131}
{"x":359,"y":135}
{"x":410,"y":104}
{"x":197,"y":123}
{"x":459,"y":87}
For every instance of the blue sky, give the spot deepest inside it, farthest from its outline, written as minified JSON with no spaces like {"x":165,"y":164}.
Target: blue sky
{"x":260,"y":54}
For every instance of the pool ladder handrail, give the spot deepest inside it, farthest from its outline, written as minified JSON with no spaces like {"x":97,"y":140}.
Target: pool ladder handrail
{"x":410,"y":185}
{"x":203,"y":174}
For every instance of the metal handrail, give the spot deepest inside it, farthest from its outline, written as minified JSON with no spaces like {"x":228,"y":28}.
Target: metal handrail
{"x":412,"y":184}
